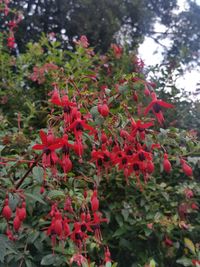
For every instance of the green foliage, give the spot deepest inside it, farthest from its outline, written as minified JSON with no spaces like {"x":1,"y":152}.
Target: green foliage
{"x":152,"y":223}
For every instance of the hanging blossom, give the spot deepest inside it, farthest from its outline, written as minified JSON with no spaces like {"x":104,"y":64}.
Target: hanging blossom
{"x":48,"y":147}
{"x":156,"y":106}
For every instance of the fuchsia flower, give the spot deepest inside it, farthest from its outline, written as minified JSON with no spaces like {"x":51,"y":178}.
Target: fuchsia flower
{"x":79,"y":259}
{"x":65,"y":161}
{"x":156,"y":106}
{"x":79,"y":125}
{"x":69,"y":108}
{"x":11,"y":42}
{"x":196,"y":263}
{"x":83,"y":41}
{"x":139,"y":127}
{"x":118,"y":50}
{"x":166,"y":164}
{"x":186,"y":168}
{"x":6,"y":212}
{"x":94,"y":201}
{"x":48,"y":146}
{"x":103,"y":109}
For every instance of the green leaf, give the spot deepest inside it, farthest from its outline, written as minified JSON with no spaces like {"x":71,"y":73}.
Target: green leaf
{"x":108,"y":264}
{"x":184,"y":261}
{"x":5,"y":246}
{"x":38,"y":173}
{"x":56,"y":194}
{"x":152,"y":263}
{"x":35,"y":197}
{"x":28,"y":263}
{"x":125,"y":213}
{"x":189,"y":244}
{"x":48,"y":259}
{"x":2,"y":248}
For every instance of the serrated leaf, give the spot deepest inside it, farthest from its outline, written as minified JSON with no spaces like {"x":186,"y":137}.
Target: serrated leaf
{"x":189,"y":244}
{"x":54,"y":194}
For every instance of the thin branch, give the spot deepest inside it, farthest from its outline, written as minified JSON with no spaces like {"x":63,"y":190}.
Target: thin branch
{"x":29,"y":170}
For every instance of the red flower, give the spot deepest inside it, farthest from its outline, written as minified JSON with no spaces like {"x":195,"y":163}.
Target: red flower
{"x":139,"y":127}
{"x":107,"y":255}
{"x":166,"y":164}
{"x":168,"y":242}
{"x":66,"y":162}
{"x":196,"y":263}
{"x":94,"y":201}
{"x":155,"y":106}
{"x":21,"y":212}
{"x":48,"y":146}
{"x":118,"y":50}
{"x":194,"y":206}
{"x":79,"y":259}
{"x":186,"y":168}
{"x":11,"y":42}
{"x":68,"y":107}
{"x":17,"y":223}
{"x":79,"y":125}
{"x":6,"y":212}
{"x":103,"y":109}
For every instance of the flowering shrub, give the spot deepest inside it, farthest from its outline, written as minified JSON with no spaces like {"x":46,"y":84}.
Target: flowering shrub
{"x":102,"y":181}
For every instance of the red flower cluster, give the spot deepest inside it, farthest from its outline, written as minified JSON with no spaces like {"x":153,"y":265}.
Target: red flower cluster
{"x":19,"y":217}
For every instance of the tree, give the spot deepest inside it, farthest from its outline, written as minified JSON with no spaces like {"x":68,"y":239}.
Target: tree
{"x":100,"y":21}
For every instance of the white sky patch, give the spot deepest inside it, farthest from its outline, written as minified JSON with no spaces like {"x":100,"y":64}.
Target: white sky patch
{"x":152,"y":53}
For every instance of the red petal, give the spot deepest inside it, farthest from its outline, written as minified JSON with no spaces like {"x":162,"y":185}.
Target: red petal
{"x":148,"y":108}
{"x":55,"y":146}
{"x":165,"y":104}
{"x":38,"y":147}
{"x":146,"y":125}
{"x":43,"y":137}
{"x":56,"y":102}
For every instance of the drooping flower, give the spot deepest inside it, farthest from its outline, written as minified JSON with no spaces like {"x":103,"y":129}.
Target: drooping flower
{"x":166,"y":164}
{"x":186,"y":168}
{"x":79,"y":125}
{"x":17,"y":223}
{"x":103,"y":109}
{"x":6,"y":212}
{"x":139,"y":127}
{"x":118,"y":50}
{"x":94,"y":201}
{"x":65,"y":161}
{"x":69,"y":108}
{"x":156,"y":106}
{"x":48,"y":146}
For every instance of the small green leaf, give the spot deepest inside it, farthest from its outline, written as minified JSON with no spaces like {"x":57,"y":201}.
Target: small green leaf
{"x":108,"y":264}
{"x":48,"y":259}
{"x":189,"y":244}
{"x":38,"y":173}
{"x":56,"y":194}
{"x":152,"y":263}
{"x":35,"y":197}
{"x":184,"y":261}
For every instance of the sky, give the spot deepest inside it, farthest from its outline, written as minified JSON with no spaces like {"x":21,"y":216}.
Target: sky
{"x":151,"y":54}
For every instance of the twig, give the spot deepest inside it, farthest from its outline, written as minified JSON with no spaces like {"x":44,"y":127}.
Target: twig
{"x":29,"y":170}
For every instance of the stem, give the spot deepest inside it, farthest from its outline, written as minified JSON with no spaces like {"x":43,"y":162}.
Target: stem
{"x":28,"y":171}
